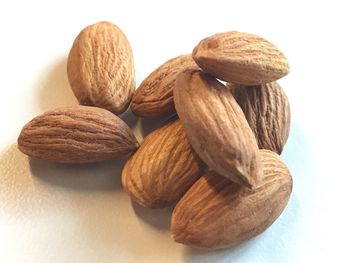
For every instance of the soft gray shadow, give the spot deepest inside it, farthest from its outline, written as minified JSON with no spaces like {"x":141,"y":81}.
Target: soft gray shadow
{"x":150,"y":124}
{"x":195,"y":255}
{"x":55,"y":90}
{"x":96,"y":176}
{"x":158,"y":218}
{"x":273,"y":244}
{"x":297,"y":152}
{"x":304,"y":167}
{"x":129,"y":118}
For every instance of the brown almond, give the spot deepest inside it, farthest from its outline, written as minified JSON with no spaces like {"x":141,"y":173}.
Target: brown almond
{"x":217,"y":213}
{"x":154,"y":97}
{"x":162,"y":169}
{"x":241,"y":58}
{"x":101,"y":67}
{"x":266,"y":108}
{"x":216,"y":127}
{"x":78,"y":134}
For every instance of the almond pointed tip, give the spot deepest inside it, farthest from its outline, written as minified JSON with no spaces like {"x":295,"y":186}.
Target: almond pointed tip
{"x":241,"y":177}
{"x":176,"y":230}
{"x":177,"y":236}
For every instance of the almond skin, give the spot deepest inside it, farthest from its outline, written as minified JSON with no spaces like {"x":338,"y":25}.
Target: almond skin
{"x":78,"y":134}
{"x":217,"y":213}
{"x":241,"y":58}
{"x":101,"y":68}
{"x":163,"y":168}
{"x":154,"y":97}
{"x":266,"y":108}
{"x":216,"y":127}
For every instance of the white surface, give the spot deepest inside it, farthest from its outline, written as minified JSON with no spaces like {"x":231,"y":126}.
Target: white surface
{"x":57,"y":213}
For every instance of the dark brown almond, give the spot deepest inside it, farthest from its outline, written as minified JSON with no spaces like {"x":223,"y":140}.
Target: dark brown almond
{"x":266,"y":108}
{"x":163,"y":168}
{"x":154,"y":97}
{"x":101,"y":67}
{"x":241,"y":58}
{"x":216,"y":127}
{"x":78,"y":134}
{"x":216,"y":213}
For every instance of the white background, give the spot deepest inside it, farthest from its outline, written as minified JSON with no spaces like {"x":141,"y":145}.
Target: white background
{"x":57,"y":213}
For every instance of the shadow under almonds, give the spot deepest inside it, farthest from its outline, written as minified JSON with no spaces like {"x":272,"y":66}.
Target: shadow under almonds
{"x":158,"y":218}
{"x":298,"y":156}
{"x":129,"y":118}
{"x":230,"y":254}
{"x":96,"y":176}
{"x":150,"y":124}
{"x":55,"y":88}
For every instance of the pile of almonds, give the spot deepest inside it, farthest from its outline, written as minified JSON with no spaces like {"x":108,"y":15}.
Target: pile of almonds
{"x":216,"y":159}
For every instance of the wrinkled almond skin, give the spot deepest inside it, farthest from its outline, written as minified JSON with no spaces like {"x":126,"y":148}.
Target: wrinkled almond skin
{"x":163,"y":168}
{"x":154,"y":97}
{"x":241,"y":58}
{"x":216,"y":213}
{"x":266,"y":108}
{"x":101,"y":68}
{"x":216,"y":127}
{"x":78,"y":134}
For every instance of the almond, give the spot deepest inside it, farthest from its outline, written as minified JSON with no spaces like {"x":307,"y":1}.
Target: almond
{"x":217,"y":213}
{"x":101,"y":69}
{"x":162,"y":169}
{"x":267,"y":111}
{"x":216,"y":127}
{"x":78,"y":134}
{"x":241,"y":58}
{"x":154,"y":97}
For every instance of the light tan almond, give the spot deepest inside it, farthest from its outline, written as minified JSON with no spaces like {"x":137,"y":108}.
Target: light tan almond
{"x":217,"y":213}
{"x":163,"y":168}
{"x":101,"y":67}
{"x":154,"y":97}
{"x":266,"y":108}
{"x":78,"y":134}
{"x":216,"y":127}
{"x":241,"y":58}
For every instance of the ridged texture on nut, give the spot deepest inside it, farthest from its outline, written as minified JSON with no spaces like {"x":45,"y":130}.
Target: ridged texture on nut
{"x":162,"y":169}
{"x":78,"y":134}
{"x":101,"y":68}
{"x":154,"y":97}
{"x":216,"y":127}
{"x":241,"y":58}
{"x":267,"y":111}
{"x":217,"y":213}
